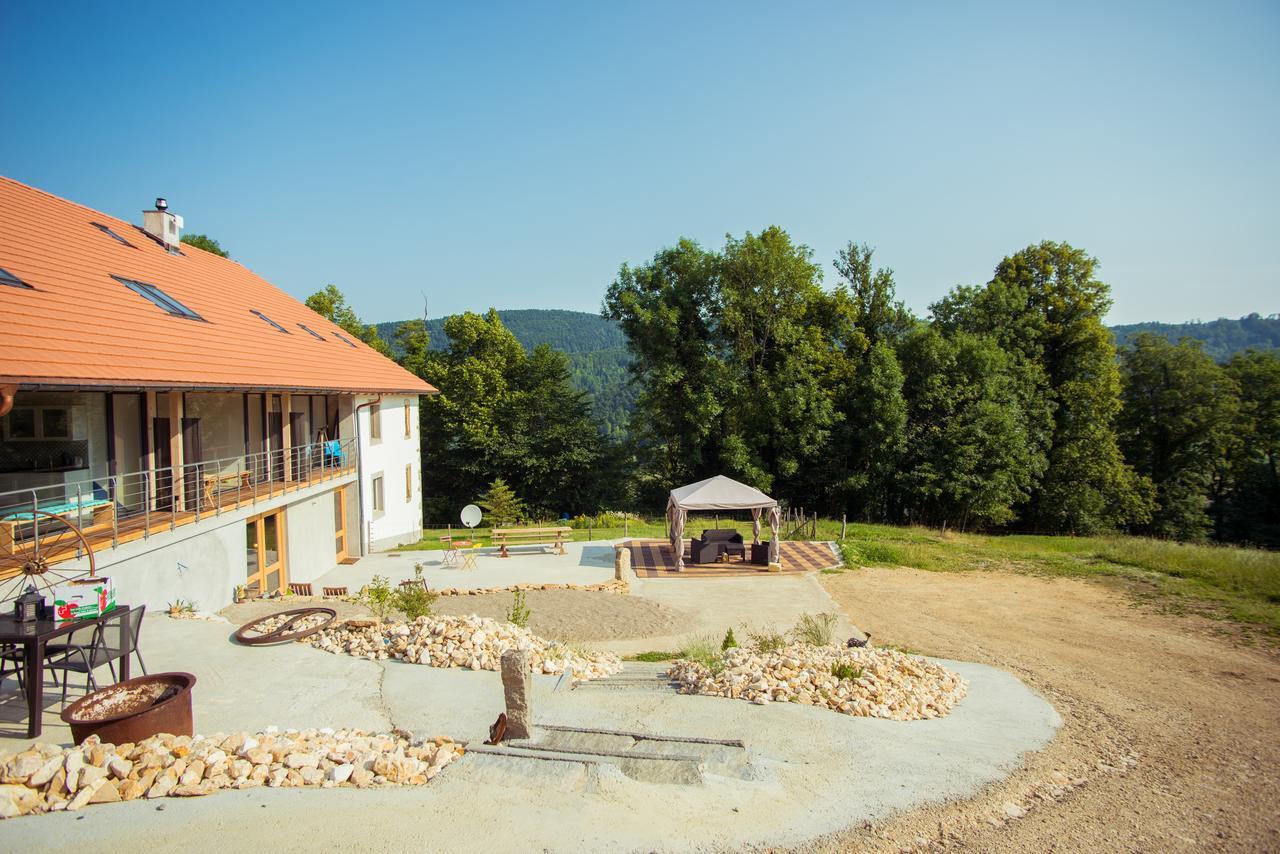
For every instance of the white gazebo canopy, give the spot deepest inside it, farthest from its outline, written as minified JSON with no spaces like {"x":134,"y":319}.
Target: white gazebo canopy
{"x":720,"y":493}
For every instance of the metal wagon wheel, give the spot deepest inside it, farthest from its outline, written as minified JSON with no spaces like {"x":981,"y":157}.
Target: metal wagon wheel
{"x":54,"y":551}
{"x":255,"y":633}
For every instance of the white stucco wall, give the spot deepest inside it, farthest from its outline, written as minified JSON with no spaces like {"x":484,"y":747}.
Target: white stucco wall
{"x":309,"y":538}
{"x":400,"y":519}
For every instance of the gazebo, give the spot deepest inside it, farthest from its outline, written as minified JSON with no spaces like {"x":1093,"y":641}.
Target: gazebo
{"x":720,"y":493}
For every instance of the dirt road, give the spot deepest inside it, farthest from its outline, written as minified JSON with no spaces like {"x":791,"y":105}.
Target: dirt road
{"x":1171,"y":736}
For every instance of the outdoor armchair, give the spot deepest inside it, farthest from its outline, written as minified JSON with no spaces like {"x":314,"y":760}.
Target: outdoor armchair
{"x":704,"y":551}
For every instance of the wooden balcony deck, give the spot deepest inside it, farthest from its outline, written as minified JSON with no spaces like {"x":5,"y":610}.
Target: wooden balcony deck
{"x":58,"y":545}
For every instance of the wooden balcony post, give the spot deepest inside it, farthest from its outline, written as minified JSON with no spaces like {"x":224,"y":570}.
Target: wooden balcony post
{"x":286,"y":433}
{"x":175,"y":448}
{"x":149,"y":434}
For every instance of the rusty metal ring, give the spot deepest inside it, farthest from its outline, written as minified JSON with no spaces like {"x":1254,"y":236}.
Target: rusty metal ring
{"x":285,"y":632}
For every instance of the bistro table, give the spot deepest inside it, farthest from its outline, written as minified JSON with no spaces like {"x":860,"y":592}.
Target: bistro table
{"x":33,"y":638}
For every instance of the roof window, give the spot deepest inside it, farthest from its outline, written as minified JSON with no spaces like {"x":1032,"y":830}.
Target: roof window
{"x":112,"y":234}
{"x":310,"y":331}
{"x":344,"y":339}
{"x":269,"y":320}
{"x":7,"y":278}
{"x":159,"y":297}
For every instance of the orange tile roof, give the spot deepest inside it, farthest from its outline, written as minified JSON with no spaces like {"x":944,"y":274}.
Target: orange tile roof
{"x":80,"y":327}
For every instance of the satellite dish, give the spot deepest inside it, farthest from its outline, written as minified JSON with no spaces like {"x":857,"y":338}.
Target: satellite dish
{"x":471,"y":515}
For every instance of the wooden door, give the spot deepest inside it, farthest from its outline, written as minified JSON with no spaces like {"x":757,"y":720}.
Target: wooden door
{"x":163,"y":459}
{"x":192,"y":453}
{"x":265,"y":554}
{"x":340,"y":524}
{"x":276,"y":440}
{"x":298,"y":444}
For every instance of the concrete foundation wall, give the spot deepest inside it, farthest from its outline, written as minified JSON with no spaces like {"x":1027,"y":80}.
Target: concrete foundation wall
{"x":309,"y":538}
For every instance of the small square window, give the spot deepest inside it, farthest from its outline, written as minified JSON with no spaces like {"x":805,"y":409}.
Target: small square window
{"x":159,"y":298}
{"x":7,"y":278}
{"x":269,"y":320}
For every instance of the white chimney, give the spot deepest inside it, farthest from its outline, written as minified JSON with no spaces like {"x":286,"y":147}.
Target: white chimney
{"x":162,"y":225}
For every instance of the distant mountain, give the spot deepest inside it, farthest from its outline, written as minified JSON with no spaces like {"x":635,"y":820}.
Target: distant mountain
{"x":1222,"y":338}
{"x":596,"y":348}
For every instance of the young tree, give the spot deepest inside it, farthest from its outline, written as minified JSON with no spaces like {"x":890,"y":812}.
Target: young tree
{"x":501,"y":505}
{"x":1179,"y":408}
{"x":205,"y":242}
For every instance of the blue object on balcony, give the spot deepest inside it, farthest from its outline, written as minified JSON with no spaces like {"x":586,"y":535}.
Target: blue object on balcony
{"x":333,"y":453}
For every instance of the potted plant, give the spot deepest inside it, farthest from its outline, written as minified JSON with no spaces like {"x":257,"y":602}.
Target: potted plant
{"x":135,"y":709}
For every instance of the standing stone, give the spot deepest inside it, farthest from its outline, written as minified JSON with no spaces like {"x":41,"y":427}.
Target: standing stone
{"x":517,"y":686}
{"x":621,"y":562}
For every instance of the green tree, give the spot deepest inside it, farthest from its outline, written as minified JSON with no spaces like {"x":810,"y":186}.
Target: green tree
{"x":668,"y":310}
{"x":331,"y":303}
{"x":1045,"y":306}
{"x":967,"y":460}
{"x":501,"y":505}
{"x":1179,"y":408}
{"x":205,"y":242}
{"x":1248,"y":501}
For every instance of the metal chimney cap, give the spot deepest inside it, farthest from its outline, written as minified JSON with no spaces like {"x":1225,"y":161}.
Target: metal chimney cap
{"x":161,"y":203}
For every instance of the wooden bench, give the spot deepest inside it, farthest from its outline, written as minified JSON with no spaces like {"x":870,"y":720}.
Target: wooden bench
{"x":102,"y":512}
{"x":554,"y":536}
{"x":214,"y":483}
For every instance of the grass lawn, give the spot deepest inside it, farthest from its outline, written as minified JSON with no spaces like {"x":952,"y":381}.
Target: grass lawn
{"x":1222,"y":582}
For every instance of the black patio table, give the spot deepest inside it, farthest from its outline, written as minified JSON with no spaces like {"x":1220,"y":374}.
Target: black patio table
{"x":33,"y":637}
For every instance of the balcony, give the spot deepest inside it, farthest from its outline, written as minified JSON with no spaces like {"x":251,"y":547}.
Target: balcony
{"x":49,"y":534}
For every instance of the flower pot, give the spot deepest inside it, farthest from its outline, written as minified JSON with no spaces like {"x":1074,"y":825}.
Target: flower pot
{"x":135,"y":709}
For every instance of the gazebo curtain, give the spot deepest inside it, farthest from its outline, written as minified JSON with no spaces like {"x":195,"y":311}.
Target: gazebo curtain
{"x":720,"y":493}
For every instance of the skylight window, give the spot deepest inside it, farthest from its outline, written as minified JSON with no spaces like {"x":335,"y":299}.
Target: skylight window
{"x":112,"y":234}
{"x":269,"y":320}
{"x":344,"y":339}
{"x":159,"y":297}
{"x":310,"y":331}
{"x":7,"y":278}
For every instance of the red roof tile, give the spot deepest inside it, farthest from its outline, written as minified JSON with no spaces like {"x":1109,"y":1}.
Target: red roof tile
{"x":78,"y":326}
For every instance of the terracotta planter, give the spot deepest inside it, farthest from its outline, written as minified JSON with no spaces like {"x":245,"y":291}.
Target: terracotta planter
{"x":135,"y":709}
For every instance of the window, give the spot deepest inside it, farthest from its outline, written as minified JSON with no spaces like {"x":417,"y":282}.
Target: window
{"x":38,"y":422}
{"x":377,"y":493}
{"x":344,"y":339}
{"x":111,"y":233}
{"x":375,"y":422}
{"x":408,"y":483}
{"x":310,"y":331}
{"x":408,"y":426}
{"x":159,"y":297}
{"x":7,"y":278}
{"x":269,"y":320}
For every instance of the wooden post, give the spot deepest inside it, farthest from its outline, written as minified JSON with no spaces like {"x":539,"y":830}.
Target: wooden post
{"x":842,"y":526}
{"x":175,"y":449}
{"x":149,"y":432}
{"x":286,"y":434}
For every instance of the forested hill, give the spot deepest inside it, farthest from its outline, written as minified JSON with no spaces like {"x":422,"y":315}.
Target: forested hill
{"x":598,"y":351}
{"x":596,"y":348}
{"x":1222,"y":338}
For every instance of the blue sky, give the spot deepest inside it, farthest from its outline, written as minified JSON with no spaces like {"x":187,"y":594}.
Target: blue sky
{"x":515,"y":155}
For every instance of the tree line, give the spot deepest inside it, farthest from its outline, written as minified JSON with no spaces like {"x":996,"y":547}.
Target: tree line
{"x":1009,"y":407}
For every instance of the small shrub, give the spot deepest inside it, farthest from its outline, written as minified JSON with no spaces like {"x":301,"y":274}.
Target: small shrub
{"x":703,"y":650}
{"x":414,"y":600}
{"x":182,"y":606}
{"x":766,"y":640}
{"x":379,"y":596}
{"x":845,"y":670}
{"x":815,"y":630}
{"x":519,"y":613}
{"x":729,"y":641}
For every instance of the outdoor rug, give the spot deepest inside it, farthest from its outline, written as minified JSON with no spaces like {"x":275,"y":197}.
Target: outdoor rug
{"x":653,"y":559}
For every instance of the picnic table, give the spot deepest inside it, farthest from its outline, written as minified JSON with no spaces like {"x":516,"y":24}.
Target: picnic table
{"x":102,"y":510}
{"x":34,"y":637}
{"x":550,"y":536}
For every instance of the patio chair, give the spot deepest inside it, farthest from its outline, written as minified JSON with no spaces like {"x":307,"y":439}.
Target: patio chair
{"x":131,"y":626}
{"x":760,"y":553}
{"x":11,"y":655}
{"x":83,"y":652}
{"x":704,"y":551}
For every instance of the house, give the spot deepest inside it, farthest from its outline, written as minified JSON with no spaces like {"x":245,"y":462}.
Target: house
{"x":176,"y":422}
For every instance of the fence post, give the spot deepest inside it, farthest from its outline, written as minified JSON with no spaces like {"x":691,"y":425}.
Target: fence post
{"x":626,"y":526}
{"x":115,"y":520}
{"x":842,"y":526}
{"x":146,"y":506}
{"x":173,"y":497}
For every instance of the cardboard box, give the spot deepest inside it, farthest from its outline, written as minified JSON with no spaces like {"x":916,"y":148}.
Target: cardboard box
{"x":84,"y":598}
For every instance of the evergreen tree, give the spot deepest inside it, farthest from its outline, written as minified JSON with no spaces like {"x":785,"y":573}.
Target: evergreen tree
{"x":501,"y":505}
